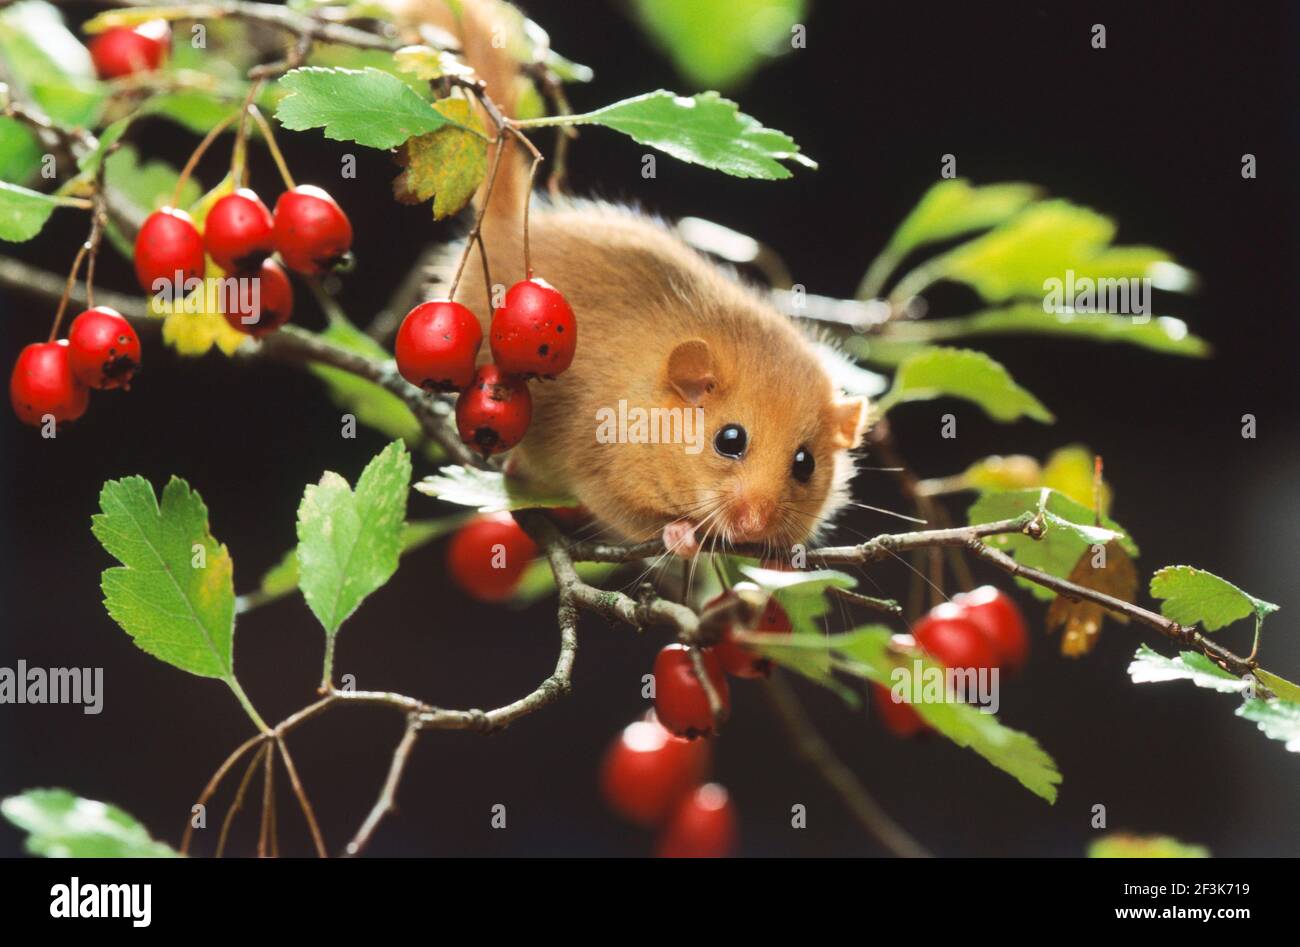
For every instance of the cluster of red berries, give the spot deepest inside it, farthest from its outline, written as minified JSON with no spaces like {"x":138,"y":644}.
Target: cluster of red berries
{"x":982,"y":629}
{"x":53,"y":379}
{"x":125,"y":50}
{"x":681,"y":701}
{"x":309,"y":231}
{"x":533,"y":335}
{"x":657,"y":780}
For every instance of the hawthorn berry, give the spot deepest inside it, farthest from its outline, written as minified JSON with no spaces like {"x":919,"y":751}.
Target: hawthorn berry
{"x":899,"y":717}
{"x":647,"y":771}
{"x":124,"y":50}
{"x":103,"y":349}
{"x":703,"y":825}
{"x":952,"y":639}
{"x":492,"y":414}
{"x":993,"y":611}
{"x":680,"y":700}
{"x":311,"y":232}
{"x":238,"y":233}
{"x":487,"y":556}
{"x":437,"y":344}
{"x":271,"y":307}
{"x":168,"y":244}
{"x":740,"y":660}
{"x":43,"y":384}
{"x":534,"y":332}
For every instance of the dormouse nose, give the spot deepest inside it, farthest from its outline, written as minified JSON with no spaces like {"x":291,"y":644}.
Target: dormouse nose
{"x":751,"y":515}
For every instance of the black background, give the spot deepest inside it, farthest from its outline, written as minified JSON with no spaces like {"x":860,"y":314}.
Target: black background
{"x":1151,"y":129}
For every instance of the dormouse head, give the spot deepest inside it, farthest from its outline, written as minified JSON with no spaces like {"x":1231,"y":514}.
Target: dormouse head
{"x":776,"y":436}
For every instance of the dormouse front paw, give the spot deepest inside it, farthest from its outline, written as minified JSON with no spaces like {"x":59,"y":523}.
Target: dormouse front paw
{"x":679,"y":538}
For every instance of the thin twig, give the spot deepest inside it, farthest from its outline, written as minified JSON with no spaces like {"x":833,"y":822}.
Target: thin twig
{"x":388,"y":795}
{"x":238,"y":802}
{"x":307,"y":811}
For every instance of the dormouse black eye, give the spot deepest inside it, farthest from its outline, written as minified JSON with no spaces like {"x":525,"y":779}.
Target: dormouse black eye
{"x":803,"y":466}
{"x":731,"y":441}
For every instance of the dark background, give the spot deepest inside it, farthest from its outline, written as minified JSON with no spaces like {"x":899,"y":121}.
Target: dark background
{"x":1151,"y":130}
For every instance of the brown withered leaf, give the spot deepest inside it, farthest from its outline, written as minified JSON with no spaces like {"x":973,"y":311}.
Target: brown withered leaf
{"x":1081,"y":621}
{"x":448,"y":164}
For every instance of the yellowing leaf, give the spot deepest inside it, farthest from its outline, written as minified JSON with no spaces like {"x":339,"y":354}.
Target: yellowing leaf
{"x":1081,"y":620}
{"x":447,"y":165}
{"x":1070,"y":471}
{"x":425,"y":62}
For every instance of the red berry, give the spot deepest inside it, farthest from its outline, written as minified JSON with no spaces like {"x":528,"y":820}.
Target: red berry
{"x":312,"y":234}
{"x":487,"y":556}
{"x":124,"y":50}
{"x":437,"y":344}
{"x":647,"y":770}
{"x":264,"y":303}
{"x":43,"y":383}
{"x":740,"y":660}
{"x":952,"y":639}
{"x":680,"y":700}
{"x":492,"y":414}
{"x":899,"y":718}
{"x":534,"y":333}
{"x":103,"y":349}
{"x":168,"y":244}
{"x":238,"y":232}
{"x":997,"y":616}
{"x":702,"y":826}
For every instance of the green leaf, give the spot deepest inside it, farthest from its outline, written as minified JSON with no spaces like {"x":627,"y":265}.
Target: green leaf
{"x":801,"y":594}
{"x":174,"y":593}
{"x":1163,"y":334}
{"x":704,"y":129}
{"x":1120,"y":845}
{"x":1041,"y":243}
{"x":199,"y":112}
{"x":865,"y":653}
{"x":372,"y":108}
{"x":61,"y":825}
{"x":1069,"y":532}
{"x":47,"y":64}
{"x":282,"y":578}
{"x":23,"y":212}
{"x":1193,"y":596}
{"x":1280,"y":686}
{"x":20,"y":153}
{"x":447,"y":165}
{"x":718,"y":45}
{"x":488,"y":491}
{"x":349,"y":542}
{"x":538,"y":581}
{"x":1148,"y":667}
{"x":88,"y":163}
{"x":955,"y":206}
{"x":374,"y":406}
{"x":962,"y":373}
{"x":147,"y":186}
{"x":1279,"y":719}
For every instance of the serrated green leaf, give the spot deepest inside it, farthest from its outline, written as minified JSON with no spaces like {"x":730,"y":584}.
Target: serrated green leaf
{"x":488,"y":491}
{"x":23,"y":212}
{"x":62,"y":825}
{"x":718,"y":45}
{"x":962,"y":373}
{"x":1148,"y":667}
{"x":349,"y":542}
{"x":704,"y":129}
{"x":447,"y":165}
{"x":1278,"y":719}
{"x":955,"y":206}
{"x":1069,"y":531}
{"x":1193,"y":596}
{"x":174,"y":592}
{"x":1041,"y":243}
{"x":370,"y":107}
{"x":20,"y":153}
{"x":865,"y":653}
{"x":1122,"y":845}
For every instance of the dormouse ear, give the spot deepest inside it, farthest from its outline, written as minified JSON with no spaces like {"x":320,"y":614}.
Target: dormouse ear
{"x":849,"y":421}
{"x":690,"y":370}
